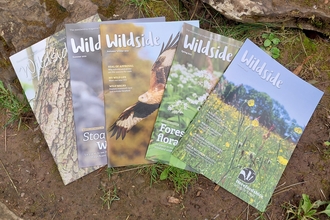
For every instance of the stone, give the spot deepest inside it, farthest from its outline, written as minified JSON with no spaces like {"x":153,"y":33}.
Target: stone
{"x":6,"y":214}
{"x":308,"y":15}
{"x":25,"y":22}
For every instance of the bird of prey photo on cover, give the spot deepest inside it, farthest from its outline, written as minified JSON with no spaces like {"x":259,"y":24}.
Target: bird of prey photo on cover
{"x":149,"y":101}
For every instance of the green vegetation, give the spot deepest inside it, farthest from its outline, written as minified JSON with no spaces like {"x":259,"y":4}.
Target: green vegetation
{"x":152,"y":8}
{"x":109,"y":196}
{"x":270,"y":44}
{"x":14,"y":107}
{"x":306,"y":209}
{"x":110,"y":171}
{"x":142,"y":6}
{"x":181,"y":179}
{"x":153,"y":171}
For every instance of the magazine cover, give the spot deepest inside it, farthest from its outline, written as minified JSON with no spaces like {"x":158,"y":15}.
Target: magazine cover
{"x":136,"y":59}
{"x":83,"y":44}
{"x":200,"y":60}
{"x":245,"y":133}
{"x":43,"y":72}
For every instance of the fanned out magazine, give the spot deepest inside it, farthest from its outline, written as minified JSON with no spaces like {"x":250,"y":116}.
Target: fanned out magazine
{"x":244,"y":134}
{"x":85,"y":58}
{"x":200,"y":60}
{"x":43,"y":71}
{"x":136,"y":58}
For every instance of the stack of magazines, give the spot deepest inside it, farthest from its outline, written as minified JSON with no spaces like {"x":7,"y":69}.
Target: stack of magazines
{"x":139,"y":91}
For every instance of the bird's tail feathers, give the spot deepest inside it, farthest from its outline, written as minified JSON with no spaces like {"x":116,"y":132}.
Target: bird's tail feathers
{"x":118,"y":131}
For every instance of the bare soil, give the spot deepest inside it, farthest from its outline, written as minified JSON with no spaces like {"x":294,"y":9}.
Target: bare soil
{"x":31,"y":187}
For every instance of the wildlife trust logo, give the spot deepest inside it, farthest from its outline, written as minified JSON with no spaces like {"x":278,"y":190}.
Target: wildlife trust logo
{"x":247,"y":175}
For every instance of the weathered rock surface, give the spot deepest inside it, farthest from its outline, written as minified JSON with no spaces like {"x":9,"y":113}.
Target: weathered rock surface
{"x":6,"y":214}
{"x":25,"y":22}
{"x":310,"y":15}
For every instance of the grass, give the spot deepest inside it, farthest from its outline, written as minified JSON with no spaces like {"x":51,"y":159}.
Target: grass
{"x":15,"y":108}
{"x":181,"y":179}
{"x":142,"y":6}
{"x":109,"y":196}
{"x":155,"y":8}
{"x":153,"y":171}
{"x":306,"y":209}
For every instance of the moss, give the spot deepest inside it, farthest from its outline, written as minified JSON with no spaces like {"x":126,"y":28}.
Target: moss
{"x":4,"y":62}
{"x":317,"y":22}
{"x":164,"y":8}
{"x":309,"y":45}
{"x":325,"y":184}
{"x":107,"y":11}
{"x":6,"y":48}
{"x":57,"y":12}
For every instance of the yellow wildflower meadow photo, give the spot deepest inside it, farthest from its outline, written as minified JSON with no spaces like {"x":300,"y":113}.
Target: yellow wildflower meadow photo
{"x":246,"y":131}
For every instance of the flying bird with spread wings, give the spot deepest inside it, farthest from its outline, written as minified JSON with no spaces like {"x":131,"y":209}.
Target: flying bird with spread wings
{"x":149,"y":101}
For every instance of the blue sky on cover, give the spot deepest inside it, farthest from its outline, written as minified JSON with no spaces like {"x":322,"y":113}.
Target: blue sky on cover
{"x":297,"y":96}
{"x":163,"y":30}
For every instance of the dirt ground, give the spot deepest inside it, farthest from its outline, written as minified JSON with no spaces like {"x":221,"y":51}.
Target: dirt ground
{"x":31,"y":187}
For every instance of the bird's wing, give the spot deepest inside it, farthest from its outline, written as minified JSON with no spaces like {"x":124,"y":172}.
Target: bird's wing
{"x":161,"y":67}
{"x":130,"y":117}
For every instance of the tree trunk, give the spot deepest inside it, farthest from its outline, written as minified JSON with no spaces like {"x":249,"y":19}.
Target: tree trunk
{"x":54,"y":111}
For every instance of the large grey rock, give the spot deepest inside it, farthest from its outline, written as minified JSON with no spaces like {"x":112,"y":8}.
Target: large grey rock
{"x":310,"y":15}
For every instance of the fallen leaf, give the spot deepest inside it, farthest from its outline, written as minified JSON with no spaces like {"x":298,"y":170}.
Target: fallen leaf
{"x":173,"y":200}
{"x":299,"y":68}
{"x":313,"y":81}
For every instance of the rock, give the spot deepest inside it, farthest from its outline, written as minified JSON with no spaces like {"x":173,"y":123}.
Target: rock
{"x":296,"y":14}
{"x":6,"y":214}
{"x":25,"y":22}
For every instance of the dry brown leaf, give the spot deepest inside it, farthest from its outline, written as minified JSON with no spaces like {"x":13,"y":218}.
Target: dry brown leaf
{"x":173,"y":200}
{"x":299,"y":68}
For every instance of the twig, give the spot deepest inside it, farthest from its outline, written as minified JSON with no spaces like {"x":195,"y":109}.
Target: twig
{"x":243,"y":211}
{"x":5,"y":138}
{"x":194,"y":12}
{"x":176,"y":13}
{"x":121,"y":171}
{"x":323,"y":194}
{"x":212,"y":16}
{"x":300,"y":67}
{"x":247,"y":212}
{"x":54,"y":215}
{"x":6,"y":132}
{"x":301,"y":41}
{"x":317,"y":148}
{"x":135,"y":168}
{"x":287,"y":188}
{"x":9,"y":177}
